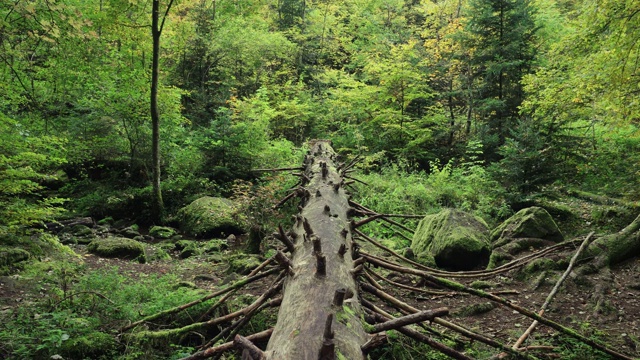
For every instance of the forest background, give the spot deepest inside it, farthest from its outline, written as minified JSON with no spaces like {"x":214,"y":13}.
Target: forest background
{"x":504,"y":100}
{"x":488,"y":106}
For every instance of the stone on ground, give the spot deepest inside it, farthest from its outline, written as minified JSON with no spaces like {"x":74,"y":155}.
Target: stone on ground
{"x":210,"y":217}
{"x":117,"y":247}
{"x":533,"y":222}
{"x":454,"y":239}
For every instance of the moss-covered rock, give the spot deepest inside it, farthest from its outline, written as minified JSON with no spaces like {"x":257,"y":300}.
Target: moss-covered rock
{"x":118,"y":247}
{"x":210,"y":217}
{"x":162,"y":232}
{"x":533,"y":222}
{"x":91,"y":346}
{"x":243,"y":264}
{"x":456,"y":240}
{"x":10,"y":256}
{"x":130,"y":232}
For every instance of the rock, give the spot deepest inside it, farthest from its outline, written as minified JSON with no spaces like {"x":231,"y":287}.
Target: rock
{"x":162,"y":232}
{"x":81,"y":230}
{"x":130,"y":232}
{"x":214,"y":246}
{"x":210,"y":217}
{"x":243,"y":264}
{"x":454,"y":239}
{"x":533,"y":222}
{"x":118,"y":247}
{"x":106,"y":221}
{"x":10,"y":256}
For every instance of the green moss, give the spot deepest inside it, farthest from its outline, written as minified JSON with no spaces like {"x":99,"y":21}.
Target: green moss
{"x":118,"y":247}
{"x":538,"y":265}
{"x":454,"y":239}
{"x":481,"y":284}
{"x":475,"y":309}
{"x":533,"y":222}
{"x":106,"y":221}
{"x":212,"y":217}
{"x":162,"y":232}
{"x":243,"y":264}
{"x":498,"y":258}
{"x":91,"y":346}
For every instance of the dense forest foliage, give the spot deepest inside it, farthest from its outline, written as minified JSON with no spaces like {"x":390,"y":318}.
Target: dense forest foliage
{"x":504,"y":99}
{"x":487,"y":106}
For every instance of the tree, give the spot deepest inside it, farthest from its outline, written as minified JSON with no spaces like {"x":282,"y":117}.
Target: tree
{"x":501,"y":34}
{"x":156,"y":32}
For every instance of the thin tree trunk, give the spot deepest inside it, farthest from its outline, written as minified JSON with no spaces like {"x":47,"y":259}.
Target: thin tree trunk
{"x":158,"y":205}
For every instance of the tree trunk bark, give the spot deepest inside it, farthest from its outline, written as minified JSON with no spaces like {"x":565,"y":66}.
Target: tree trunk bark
{"x":158,"y":205}
{"x":316,"y":320}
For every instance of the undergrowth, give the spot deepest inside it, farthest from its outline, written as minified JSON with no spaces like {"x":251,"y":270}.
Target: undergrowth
{"x":78,"y":314}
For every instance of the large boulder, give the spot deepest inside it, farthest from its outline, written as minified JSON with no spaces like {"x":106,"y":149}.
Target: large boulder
{"x":533,"y":222}
{"x":210,"y":217}
{"x":454,"y":239}
{"x":118,"y":247}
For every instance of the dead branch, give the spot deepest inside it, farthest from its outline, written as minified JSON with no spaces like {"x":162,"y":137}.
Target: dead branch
{"x":350,"y":164}
{"x":261,"y":336}
{"x":375,"y":341}
{"x":231,"y":293}
{"x":285,"y":239}
{"x":457,"y":328}
{"x":412,"y":288}
{"x":285,"y":199}
{"x":247,"y":346}
{"x":356,"y":180}
{"x":409,"y":320}
{"x":234,"y":286}
{"x":553,"y":292}
{"x":279,"y":169}
{"x":199,"y":325}
{"x":233,"y":329}
{"x":460,"y":287}
{"x":357,"y":224}
{"x":418,"y":336}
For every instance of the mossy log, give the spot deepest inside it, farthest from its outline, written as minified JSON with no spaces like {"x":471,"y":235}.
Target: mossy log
{"x":320,"y":267}
{"x":615,"y":248}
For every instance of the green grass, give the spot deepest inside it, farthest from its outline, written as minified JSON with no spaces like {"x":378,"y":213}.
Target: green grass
{"x":79,"y":313}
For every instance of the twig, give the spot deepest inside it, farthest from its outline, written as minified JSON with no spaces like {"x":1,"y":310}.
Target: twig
{"x":420,"y":337}
{"x":553,"y":292}
{"x":246,"y":345}
{"x":199,"y":325}
{"x":261,"y":336}
{"x":409,"y":320}
{"x":232,"y":287}
{"x":528,"y":313}
{"x":84,"y":292}
{"x":356,"y":180}
{"x":223,"y":299}
{"x":279,"y":169}
{"x":457,"y":328}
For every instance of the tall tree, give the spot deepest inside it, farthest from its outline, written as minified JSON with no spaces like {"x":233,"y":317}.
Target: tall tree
{"x":501,"y":34}
{"x":156,"y":32}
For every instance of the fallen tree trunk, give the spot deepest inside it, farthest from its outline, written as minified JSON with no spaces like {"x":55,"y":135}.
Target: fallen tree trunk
{"x":315,"y":321}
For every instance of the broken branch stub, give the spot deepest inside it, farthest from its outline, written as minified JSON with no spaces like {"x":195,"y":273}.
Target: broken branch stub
{"x":308,"y":297}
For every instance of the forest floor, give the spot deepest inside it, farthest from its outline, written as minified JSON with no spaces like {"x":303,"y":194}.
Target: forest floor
{"x":578,"y":305}
{"x":615,"y":323}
